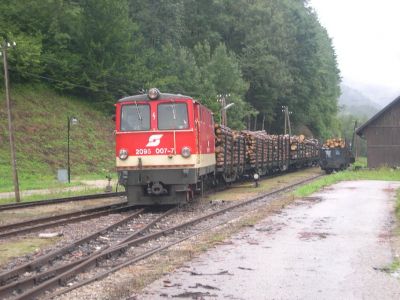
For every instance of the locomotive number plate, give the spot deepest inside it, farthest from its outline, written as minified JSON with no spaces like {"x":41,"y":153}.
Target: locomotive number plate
{"x":146,"y":151}
{"x":164,"y":150}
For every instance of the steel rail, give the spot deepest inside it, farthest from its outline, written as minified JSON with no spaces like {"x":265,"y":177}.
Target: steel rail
{"x":62,"y":279}
{"x":4,"y":207}
{"x":55,"y":217}
{"x":65,"y":219}
{"x":37,"y":263}
{"x":36,"y":279}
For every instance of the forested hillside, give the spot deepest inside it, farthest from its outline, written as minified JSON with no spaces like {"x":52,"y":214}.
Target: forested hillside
{"x":263,"y":53}
{"x":353,"y":102}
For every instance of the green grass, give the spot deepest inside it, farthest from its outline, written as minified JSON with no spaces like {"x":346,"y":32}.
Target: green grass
{"x":40,"y":123}
{"x":397,"y":210}
{"x":363,"y":174}
{"x":17,"y":248}
{"x":361,"y":162}
{"x":53,"y":195}
{"x":395,"y":265}
{"x":43,"y":182}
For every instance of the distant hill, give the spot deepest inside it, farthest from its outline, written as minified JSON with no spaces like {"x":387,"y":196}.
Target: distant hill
{"x":356,"y":103}
{"x":379,"y":94}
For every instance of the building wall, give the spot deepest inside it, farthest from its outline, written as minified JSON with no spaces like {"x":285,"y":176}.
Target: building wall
{"x":383,"y":139}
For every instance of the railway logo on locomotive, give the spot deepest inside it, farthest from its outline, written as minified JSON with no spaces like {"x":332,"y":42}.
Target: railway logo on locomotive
{"x":154,"y":140}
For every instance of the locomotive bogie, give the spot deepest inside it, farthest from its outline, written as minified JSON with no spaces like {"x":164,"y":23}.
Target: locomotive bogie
{"x":168,"y":186}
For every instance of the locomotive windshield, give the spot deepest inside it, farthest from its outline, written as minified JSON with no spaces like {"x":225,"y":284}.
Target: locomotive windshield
{"x":135,"y":117}
{"x":172,"y":116}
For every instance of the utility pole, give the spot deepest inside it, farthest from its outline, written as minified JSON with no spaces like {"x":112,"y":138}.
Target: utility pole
{"x":4,"y":46}
{"x":222,"y":100}
{"x":263,"y":122}
{"x":287,"y":113}
{"x":354,"y":141}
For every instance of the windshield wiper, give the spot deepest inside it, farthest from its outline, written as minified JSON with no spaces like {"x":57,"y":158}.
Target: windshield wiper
{"x":138,"y":112}
{"x":173,"y":110}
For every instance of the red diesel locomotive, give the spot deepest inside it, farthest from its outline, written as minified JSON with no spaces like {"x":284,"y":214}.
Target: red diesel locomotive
{"x":165,"y":147}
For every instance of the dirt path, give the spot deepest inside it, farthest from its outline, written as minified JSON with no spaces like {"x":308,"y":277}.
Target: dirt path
{"x":331,"y":247}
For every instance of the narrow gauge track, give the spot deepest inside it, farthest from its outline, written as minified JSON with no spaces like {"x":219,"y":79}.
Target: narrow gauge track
{"x":32,"y":225}
{"x":10,"y":206}
{"x":110,"y":259}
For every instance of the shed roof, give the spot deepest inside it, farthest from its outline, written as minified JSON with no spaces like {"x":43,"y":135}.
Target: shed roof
{"x":360,"y":129}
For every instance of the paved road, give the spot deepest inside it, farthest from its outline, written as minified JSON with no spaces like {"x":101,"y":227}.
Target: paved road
{"x":328,"y":247}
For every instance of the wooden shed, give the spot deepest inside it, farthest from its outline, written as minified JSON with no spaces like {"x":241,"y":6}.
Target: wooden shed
{"x":382,"y":133}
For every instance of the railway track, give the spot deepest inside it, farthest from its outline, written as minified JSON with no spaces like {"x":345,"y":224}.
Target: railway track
{"x":116,"y":254}
{"x":10,"y":206}
{"x":32,"y":225}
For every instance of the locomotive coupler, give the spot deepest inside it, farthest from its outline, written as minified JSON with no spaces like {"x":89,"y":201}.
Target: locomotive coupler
{"x":156,"y":188}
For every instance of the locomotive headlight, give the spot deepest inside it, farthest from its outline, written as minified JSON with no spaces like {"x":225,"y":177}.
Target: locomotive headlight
{"x":185,"y":152}
{"x":153,"y":94}
{"x":123,"y":154}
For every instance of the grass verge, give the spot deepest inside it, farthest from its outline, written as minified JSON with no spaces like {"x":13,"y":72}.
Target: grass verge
{"x":364,"y":174}
{"x":18,"y":248}
{"x":395,"y":265}
{"x":54,"y":195}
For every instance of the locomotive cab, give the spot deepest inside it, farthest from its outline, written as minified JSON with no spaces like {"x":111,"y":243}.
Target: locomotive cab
{"x":335,"y":159}
{"x":164,"y":147}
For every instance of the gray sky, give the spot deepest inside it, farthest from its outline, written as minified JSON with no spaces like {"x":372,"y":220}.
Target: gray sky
{"x":366,"y":37}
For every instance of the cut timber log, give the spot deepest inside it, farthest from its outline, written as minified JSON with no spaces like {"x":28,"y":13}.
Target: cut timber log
{"x":334,"y":143}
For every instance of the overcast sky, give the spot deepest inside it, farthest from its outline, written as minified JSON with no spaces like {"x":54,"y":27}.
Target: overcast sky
{"x":366,"y":37}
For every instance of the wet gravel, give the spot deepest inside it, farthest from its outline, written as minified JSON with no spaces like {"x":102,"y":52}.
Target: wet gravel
{"x":337,"y":247}
{"x":72,"y":232}
{"x":68,"y":233}
{"x":183,"y":215}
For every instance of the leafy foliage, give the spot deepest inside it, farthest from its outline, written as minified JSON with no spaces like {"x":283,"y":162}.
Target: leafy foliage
{"x":264,"y":53}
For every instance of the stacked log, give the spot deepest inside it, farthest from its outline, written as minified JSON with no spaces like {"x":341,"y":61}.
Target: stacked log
{"x":301,"y":147}
{"x":254,"y":141}
{"x":229,"y":147}
{"x":262,"y":148}
{"x":334,"y":143}
{"x":257,"y":149}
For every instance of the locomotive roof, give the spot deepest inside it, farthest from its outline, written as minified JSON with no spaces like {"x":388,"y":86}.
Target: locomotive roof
{"x":144,"y":97}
